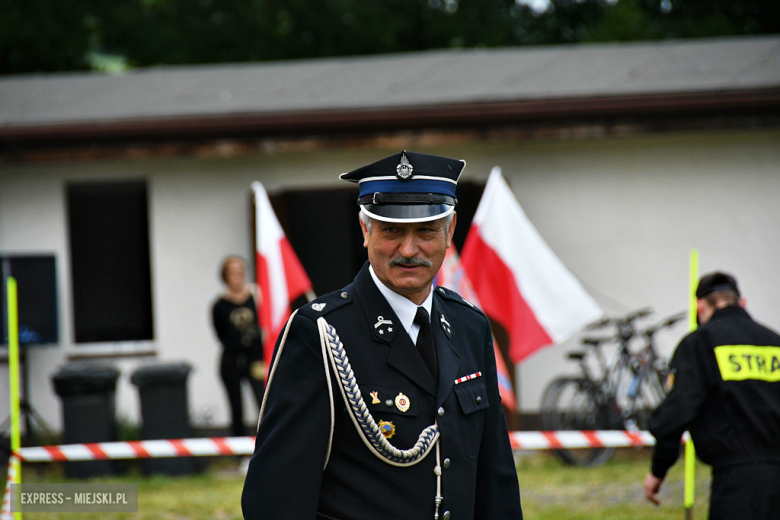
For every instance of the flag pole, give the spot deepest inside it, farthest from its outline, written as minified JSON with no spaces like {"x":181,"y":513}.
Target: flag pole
{"x":13,"y":378}
{"x":690,"y":451}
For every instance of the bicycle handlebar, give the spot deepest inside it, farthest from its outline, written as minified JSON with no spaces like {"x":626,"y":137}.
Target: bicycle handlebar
{"x":595,"y":342}
{"x":641,"y":313}
{"x":600,"y":324}
{"x":668,"y":322}
{"x":625,"y":320}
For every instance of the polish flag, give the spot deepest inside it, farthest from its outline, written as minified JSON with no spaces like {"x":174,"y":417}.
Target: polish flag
{"x":280,"y":275}
{"x":452,"y":276}
{"x":520,"y":282}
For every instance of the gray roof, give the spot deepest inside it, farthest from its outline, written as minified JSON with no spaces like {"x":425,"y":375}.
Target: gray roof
{"x":395,"y":81}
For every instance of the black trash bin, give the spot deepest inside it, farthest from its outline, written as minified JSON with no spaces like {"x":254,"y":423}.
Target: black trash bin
{"x":88,"y":394}
{"x":165,"y":413}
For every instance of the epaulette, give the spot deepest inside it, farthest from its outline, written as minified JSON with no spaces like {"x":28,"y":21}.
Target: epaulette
{"x":453,"y":296}
{"x":327,"y":303}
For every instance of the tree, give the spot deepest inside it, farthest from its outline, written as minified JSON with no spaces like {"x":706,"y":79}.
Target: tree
{"x":59,"y":35}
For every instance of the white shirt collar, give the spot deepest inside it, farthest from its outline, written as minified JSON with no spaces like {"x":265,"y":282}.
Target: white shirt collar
{"x":403,"y":307}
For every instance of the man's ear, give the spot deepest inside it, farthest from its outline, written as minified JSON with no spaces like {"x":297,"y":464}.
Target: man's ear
{"x":742,"y":302}
{"x":364,"y":228}
{"x":452,"y":229}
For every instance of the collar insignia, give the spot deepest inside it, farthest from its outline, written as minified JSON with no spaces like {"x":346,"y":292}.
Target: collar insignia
{"x":404,"y":169}
{"x":380,"y":320}
{"x":445,"y":326}
{"x":318,"y":306}
{"x":383,"y":329}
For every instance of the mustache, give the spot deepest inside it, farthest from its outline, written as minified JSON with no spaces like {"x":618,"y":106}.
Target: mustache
{"x":409,"y":262}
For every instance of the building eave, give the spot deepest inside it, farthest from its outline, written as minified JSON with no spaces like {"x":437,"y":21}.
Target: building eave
{"x":452,"y":116}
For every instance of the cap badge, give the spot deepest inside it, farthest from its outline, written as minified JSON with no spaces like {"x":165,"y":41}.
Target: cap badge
{"x":402,"y":402}
{"x":375,"y":398}
{"x":404,"y":169}
{"x":387,"y":428}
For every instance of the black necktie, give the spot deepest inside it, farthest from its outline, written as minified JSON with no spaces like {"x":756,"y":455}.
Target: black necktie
{"x":425,"y":341}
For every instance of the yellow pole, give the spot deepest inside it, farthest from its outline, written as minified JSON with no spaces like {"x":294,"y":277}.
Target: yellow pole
{"x":693,"y":283}
{"x":13,"y":377}
{"x":690,"y":451}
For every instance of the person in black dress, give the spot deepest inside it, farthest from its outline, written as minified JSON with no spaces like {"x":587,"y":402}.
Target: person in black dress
{"x":234,"y":317}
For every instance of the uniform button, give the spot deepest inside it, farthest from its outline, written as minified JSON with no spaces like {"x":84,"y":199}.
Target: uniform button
{"x":441,"y":290}
{"x":441,"y":412}
{"x":479,"y":399}
{"x":345,"y":295}
{"x":446,"y":464}
{"x":447,"y":515}
{"x":389,"y":402}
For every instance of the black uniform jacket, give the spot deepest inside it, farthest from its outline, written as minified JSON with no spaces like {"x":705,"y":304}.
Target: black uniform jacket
{"x":287,"y":477}
{"x":726,"y":392}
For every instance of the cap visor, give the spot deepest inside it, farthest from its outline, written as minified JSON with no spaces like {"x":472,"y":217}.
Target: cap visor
{"x":411,"y":213}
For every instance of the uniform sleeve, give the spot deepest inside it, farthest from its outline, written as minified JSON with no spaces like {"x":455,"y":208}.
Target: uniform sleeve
{"x":285,"y":472}
{"x":691,"y":386}
{"x":498,"y":492}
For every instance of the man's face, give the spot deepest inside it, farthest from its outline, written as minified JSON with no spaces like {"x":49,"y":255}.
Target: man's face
{"x":406,"y":257}
{"x":704,"y":311}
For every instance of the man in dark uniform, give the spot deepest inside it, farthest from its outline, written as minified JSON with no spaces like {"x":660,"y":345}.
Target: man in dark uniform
{"x":382,"y":401}
{"x":725,"y":390}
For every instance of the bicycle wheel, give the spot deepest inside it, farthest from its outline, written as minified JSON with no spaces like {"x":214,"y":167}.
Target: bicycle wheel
{"x":651,"y":393}
{"x":569,"y":403}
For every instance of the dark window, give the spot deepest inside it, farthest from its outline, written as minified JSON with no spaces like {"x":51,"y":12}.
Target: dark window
{"x":109,"y":258}
{"x":322,"y":227}
{"x":36,"y":290}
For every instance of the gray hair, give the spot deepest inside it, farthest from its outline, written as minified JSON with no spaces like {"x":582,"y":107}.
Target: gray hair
{"x":367,"y":221}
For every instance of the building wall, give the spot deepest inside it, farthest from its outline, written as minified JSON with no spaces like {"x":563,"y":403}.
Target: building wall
{"x":621,"y":213}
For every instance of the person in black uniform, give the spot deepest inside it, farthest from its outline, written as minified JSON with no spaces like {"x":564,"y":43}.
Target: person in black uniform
{"x":382,"y":400}
{"x":724,"y":389}
{"x":234,"y":316}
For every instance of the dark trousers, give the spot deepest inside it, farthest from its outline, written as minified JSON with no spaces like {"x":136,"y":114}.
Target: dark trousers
{"x":746,"y":492}
{"x":233,"y":369}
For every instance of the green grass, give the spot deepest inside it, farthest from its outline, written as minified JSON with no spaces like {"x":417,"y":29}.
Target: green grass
{"x":550,"y":491}
{"x":212,"y":495}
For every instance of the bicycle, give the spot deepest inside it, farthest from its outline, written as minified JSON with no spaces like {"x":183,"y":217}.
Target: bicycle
{"x":588,"y":401}
{"x":646,"y":388}
{"x":619,"y":397}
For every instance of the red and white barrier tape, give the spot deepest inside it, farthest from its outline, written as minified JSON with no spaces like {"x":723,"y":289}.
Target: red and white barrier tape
{"x":5,"y":510}
{"x":140,"y":449}
{"x":245,"y":446}
{"x":579,"y":439}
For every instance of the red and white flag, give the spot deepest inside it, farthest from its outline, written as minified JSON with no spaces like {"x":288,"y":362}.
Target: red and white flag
{"x":453,"y":276}
{"x":280,"y":275}
{"x":520,"y":282}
